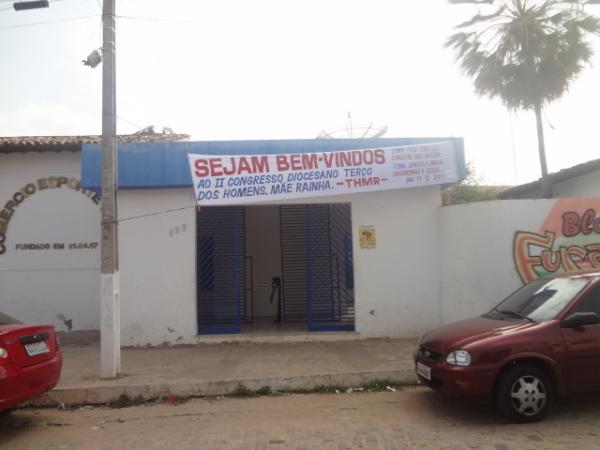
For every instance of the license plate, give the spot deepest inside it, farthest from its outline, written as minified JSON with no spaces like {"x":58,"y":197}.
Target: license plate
{"x":36,"y":348}
{"x":424,"y":371}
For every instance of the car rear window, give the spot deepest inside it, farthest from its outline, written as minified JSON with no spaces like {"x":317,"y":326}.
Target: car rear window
{"x":7,"y":320}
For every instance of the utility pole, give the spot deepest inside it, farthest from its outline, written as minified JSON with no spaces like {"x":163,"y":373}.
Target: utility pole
{"x":110,"y":319}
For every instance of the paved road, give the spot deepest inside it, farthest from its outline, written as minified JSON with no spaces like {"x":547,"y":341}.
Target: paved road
{"x":413,"y":418}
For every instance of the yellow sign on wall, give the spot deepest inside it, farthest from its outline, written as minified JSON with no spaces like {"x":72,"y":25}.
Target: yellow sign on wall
{"x":367,"y":236}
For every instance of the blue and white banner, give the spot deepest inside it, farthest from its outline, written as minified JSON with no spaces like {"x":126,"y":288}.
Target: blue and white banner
{"x":241,"y":179}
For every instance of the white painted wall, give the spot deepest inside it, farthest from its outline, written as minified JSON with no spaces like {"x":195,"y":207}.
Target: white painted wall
{"x":431,"y":264}
{"x":587,"y":185}
{"x":37,"y":285}
{"x":397,"y":284}
{"x":476,"y":248}
{"x":157,"y":266}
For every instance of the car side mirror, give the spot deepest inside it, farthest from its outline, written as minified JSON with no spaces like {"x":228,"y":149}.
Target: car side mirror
{"x":580,"y":319}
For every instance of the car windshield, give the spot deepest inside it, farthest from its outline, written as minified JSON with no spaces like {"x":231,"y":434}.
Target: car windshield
{"x":7,"y":320}
{"x":541,"y":299}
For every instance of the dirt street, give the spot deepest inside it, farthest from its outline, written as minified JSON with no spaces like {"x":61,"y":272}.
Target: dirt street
{"x":413,"y":418}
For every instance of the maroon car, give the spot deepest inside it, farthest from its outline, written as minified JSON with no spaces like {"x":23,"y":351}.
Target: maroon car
{"x":30,"y":361}
{"x":540,"y":342}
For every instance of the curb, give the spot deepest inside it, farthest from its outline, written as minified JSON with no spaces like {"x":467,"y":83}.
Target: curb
{"x":102,"y":395}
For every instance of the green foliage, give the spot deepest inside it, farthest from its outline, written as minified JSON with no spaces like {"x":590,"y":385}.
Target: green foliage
{"x":265,"y":390}
{"x":470,"y":190}
{"x":525,"y":52}
{"x":124,"y":401}
{"x":242,"y":391}
{"x":464,"y":193}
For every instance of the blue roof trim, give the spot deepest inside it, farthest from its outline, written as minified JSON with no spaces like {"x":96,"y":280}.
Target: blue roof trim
{"x":163,"y":165}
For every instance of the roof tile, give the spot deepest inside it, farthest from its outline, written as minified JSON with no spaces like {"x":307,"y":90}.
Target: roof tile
{"x":10,"y":144}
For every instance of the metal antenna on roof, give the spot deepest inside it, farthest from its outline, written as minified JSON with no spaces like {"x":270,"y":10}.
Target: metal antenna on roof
{"x":351,"y":130}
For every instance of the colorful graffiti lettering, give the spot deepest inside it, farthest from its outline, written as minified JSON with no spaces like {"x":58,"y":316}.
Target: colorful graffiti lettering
{"x":568,"y":241}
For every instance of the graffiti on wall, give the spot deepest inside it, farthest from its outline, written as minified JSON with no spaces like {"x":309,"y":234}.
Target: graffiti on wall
{"x":567,"y":241}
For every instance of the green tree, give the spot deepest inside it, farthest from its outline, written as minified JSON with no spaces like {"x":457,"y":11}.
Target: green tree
{"x":526,"y":53}
{"x":470,"y":190}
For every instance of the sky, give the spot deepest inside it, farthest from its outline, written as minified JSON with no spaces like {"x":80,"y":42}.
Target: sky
{"x":278,"y":69}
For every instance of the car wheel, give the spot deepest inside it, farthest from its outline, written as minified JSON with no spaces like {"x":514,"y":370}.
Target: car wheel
{"x":524,"y":394}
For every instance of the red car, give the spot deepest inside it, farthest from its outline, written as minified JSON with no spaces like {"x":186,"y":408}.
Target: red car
{"x":540,"y":342}
{"x":30,"y":361}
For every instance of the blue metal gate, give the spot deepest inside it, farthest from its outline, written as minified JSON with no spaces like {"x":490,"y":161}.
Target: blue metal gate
{"x":342,"y":269}
{"x":317,"y":272}
{"x":221,"y":272}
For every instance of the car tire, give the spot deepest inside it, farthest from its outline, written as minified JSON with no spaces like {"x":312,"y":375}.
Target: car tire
{"x":524,"y":393}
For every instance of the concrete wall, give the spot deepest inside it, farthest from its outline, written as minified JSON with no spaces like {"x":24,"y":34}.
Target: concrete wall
{"x":157,"y":266}
{"x":37,"y":286}
{"x":587,"y":185}
{"x":584,"y":186}
{"x":476,"y":248}
{"x":397,"y":283}
{"x":431,"y":264}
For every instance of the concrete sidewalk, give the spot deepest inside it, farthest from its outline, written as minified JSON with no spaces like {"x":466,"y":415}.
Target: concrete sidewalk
{"x":219,"y":369}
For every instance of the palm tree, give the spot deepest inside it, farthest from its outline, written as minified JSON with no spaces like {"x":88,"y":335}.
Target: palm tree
{"x":527,"y":53}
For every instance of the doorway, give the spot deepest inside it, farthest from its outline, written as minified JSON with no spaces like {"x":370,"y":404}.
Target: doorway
{"x":275,"y":269}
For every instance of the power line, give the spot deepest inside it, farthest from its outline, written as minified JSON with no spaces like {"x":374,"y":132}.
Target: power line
{"x":13,"y":2}
{"x":156,"y":213}
{"x":153,"y":19}
{"x":58,"y":269}
{"x":130,"y":123}
{"x":23,"y":25}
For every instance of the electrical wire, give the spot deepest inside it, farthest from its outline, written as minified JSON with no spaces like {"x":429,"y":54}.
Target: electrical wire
{"x":23,"y":25}
{"x":156,"y":213}
{"x":13,"y":2}
{"x":131,"y":123}
{"x":58,"y":269}
{"x":153,"y":19}
{"x":68,"y":19}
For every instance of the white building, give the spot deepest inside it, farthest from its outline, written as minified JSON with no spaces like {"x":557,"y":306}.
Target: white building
{"x":360,"y":264}
{"x":50,"y":231}
{"x":187,"y":272}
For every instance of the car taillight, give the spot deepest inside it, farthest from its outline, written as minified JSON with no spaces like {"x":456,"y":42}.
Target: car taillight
{"x":3,"y":355}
